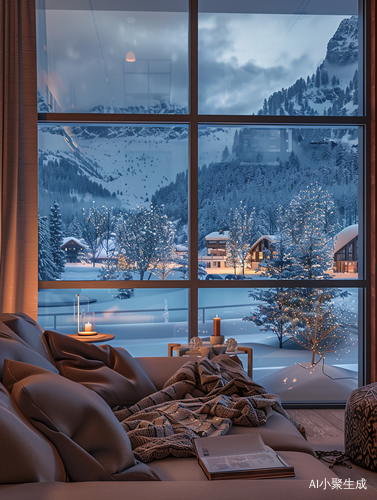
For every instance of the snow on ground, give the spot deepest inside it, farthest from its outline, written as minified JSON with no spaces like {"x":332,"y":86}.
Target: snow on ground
{"x":320,"y":383}
{"x":139,"y":326}
{"x":77,"y":272}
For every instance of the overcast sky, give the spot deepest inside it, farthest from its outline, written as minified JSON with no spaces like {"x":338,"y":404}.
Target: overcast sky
{"x":243,"y":58}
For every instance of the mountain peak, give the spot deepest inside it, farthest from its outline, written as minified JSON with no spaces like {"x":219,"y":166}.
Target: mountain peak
{"x":342,"y":49}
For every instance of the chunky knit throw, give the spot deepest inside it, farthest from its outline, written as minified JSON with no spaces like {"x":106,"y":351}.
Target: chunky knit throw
{"x":203,"y":398}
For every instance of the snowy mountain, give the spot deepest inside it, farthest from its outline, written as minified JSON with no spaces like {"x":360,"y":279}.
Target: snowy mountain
{"x":162,"y":108}
{"x":125,"y":166}
{"x":333,"y":89}
{"x":342,"y":49}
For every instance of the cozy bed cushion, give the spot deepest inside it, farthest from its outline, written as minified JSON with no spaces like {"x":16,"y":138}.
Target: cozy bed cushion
{"x":84,"y":430}
{"x":13,"y":347}
{"x":110,"y":372}
{"x":29,"y":331}
{"x":26,"y":455}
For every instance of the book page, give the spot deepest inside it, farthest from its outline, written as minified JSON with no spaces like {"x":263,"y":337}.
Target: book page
{"x":238,"y":444}
{"x":253,"y":461}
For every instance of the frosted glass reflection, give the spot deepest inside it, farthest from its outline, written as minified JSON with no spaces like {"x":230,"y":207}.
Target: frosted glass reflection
{"x":278,"y":64}
{"x":109,"y":61}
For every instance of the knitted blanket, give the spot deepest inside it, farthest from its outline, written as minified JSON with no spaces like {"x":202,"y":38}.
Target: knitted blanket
{"x":203,"y":398}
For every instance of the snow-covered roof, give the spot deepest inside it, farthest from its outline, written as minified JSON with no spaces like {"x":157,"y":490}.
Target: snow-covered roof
{"x":216,"y":235}
{"x":71,"y":238}
{"x":345,"y":236}
{"x":269,"y":237}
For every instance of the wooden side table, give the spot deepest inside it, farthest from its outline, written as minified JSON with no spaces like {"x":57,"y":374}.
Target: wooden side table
{"x":181,"y":349}
{"x":92,"y":339}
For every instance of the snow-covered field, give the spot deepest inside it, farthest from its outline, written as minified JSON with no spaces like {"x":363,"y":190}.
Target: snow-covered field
{"x":139,"y":325}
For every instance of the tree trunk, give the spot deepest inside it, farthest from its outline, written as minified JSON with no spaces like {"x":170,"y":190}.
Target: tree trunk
{"x":313,"y":357}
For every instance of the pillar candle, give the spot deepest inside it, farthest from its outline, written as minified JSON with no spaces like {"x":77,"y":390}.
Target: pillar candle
{"x":88,"y":327}
{"x":216,"y":326}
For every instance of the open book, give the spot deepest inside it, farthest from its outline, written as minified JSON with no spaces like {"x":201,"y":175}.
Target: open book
{"x":239,"y":456}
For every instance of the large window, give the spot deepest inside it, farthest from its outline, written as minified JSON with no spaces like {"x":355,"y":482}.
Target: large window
{"x":203,"y":158}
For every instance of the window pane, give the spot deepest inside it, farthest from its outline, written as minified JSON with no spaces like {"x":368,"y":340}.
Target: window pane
{"x":279,"y":202}
{"x":279,"y":58}
{"x":144,"y":323}
{"x":102,"y":58}
{"x":108,"y":206}
{"x":280,"y":325}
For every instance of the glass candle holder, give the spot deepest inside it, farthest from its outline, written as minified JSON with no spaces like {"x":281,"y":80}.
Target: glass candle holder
{"x":87,"y":324}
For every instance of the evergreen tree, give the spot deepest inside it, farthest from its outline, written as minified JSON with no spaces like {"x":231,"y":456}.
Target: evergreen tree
{"x":324,"y":77}
{"x":56,"y":239}
{"x":75,"y":229}
{"x":93,"y":232}
{"x":303,"y":249}
{"x":242,"y":234}
{"x":310,"y":223}
{"x":140,"y":237}
{"x":318,"y":78}
{"x":164,"y":262}
{"x":46,"y":265}
{"x":108,"y":224}
{"x":356,"y":88}
{"x":225,"y":154}
{"x":272,"y":313}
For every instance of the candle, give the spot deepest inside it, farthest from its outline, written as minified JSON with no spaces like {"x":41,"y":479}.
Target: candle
{"x":88,"y":327}
{"x":216,"y":326}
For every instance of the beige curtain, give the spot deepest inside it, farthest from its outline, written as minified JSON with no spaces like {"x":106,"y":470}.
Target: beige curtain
{"x":19,"y":163}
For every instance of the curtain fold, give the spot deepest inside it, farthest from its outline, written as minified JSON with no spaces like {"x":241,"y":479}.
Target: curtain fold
{"x":19,"y":158}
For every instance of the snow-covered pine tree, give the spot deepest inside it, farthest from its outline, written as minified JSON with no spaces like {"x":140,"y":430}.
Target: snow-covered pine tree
{"x":46,"y":265}
{"x":202,"y":271}
{"x":108,"y":225}
{"x":139,"y":236}
{"x":272,"y":313}
{"x":93,"y":231}
{"x":303,"y":249}
{"x":164,"y":261}
{"x":242,"y":234}
{"x":56,"y":239}
{"x":311,"y":226}
{"x":75,"y":229}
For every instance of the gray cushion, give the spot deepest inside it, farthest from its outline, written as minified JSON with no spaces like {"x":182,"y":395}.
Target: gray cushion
{"x":26,"y":455}
{"x":160,"y":369}
{"x":110,"y":372}
{"x":88,"y":437}
{"x":13,"y":347}
{"x":28,"y":330}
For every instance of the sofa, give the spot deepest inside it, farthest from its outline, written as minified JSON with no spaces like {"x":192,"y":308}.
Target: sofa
{"x":60,"y":437}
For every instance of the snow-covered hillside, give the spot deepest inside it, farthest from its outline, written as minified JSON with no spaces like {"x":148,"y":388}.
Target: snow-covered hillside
{"x":126,"y":165}
{"x":332,"y":89}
